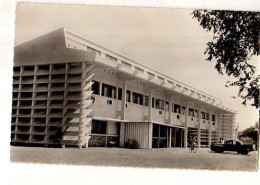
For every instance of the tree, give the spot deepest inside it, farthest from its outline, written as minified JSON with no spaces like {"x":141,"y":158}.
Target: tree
{"x":235,"y":40}
{"x":250,"y":132}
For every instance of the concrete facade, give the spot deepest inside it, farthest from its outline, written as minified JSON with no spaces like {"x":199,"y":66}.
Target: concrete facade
{"x":70,"y":91}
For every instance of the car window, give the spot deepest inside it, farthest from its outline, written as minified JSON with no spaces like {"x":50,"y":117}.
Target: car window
{"x":228,"y":142}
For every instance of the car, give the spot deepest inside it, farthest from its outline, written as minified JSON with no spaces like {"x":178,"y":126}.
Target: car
{"x":231,"y":145}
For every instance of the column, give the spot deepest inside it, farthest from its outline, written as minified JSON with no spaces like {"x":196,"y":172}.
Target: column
{"x":218,"y":125}
{"x":170,"y":110}
{"x":199,"y":126}
{"x":150,"y":98}
{"x":223,"y":125}
{"x":210,"y":128}
{"x":170,"y":137}
{"x":186,"y":126}
{"x":123,"y":115}
{"x":175,"y":137}
{"x":100,"y":89}
{"x":143,"y":99}
{"x":123,"y":102}
{"x":150,"y":135}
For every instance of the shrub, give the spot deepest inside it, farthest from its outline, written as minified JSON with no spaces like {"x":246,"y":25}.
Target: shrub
{"x":132,"y":144}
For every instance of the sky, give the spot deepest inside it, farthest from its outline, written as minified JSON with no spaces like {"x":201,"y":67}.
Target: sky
{"x":165,"y":39}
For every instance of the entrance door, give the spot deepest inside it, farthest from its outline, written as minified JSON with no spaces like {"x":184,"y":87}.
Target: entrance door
{"x":178,"y":142}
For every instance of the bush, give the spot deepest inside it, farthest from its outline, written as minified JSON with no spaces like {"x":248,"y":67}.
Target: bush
{"x":132,"y":144}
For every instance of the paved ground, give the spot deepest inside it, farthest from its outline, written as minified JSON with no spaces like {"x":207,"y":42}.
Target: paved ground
{"x":179,"y":158}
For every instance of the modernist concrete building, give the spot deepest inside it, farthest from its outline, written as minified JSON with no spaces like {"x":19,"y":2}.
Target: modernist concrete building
{"x":69,"y":90}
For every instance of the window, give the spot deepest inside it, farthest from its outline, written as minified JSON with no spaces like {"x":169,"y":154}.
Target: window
{"x":177,"y":109}
{"x":119,"y":96}
{"x":213,"y":118}
{"x":146,"y":99}
{"x":155,"y":130}
{"x":167,"y":106}
{"x":207,"y":116}
{"x":137,"y":98}
{"x":95,"y":87}
{"x":98,"y":127}
{"x":108,"y":91}
{"x":203,"y":115}
{"x":109,"y":102}
{"x":153,"y":102}
{"x":159,"y":104}
{"x":191,"y":112}
{"x":128,"y":96}
{"x":183,"y":110}
{"x":163,"y":131}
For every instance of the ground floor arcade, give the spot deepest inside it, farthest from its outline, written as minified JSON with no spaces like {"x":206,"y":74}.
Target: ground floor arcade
{"x":146,"y":134}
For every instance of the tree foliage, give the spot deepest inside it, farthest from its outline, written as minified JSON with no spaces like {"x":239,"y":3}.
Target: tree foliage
{"x":235,"y":40}
{"x":251,"y":132}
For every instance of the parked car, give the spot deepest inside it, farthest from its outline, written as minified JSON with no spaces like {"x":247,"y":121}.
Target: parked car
{"x":248,"y":141}
{"x":231,"y":145}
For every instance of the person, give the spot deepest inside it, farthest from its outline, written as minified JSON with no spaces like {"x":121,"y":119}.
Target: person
{"x":221,"y":141}
{"x":192,"y":144}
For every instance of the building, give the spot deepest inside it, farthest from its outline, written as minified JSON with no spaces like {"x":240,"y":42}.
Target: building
{"x":69,"y":90}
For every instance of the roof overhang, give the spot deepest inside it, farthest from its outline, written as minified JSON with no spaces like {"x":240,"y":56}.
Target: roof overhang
{"x":61,"y":46}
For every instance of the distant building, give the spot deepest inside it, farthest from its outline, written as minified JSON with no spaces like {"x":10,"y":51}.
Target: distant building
{"x":70,"y":91}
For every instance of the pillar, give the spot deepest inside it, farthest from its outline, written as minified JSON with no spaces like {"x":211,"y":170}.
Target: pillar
{"x":170,"y":137}
{"x":199,"y":127}
{"x":100,"y":89}
{"x":123,"y":115}
{"x":123,"y":102}
{"x":223,"y":125}
{"x":150,"y":136}
{"x":218,"y":125}
{"x":150,"y":99}
{"x":186,"y":126}
{"x":175,"y":137}
{"x":210,"y":128}
{"x":170,"y":110}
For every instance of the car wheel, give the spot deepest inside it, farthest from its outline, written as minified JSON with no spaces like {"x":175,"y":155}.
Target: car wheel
{"x":219,"y":151}
{"x":244,"y":152}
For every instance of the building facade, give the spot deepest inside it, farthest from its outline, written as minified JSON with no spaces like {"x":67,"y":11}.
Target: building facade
{"x":68,"y":90}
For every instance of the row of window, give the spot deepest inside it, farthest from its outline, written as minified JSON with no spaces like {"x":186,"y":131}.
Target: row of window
{"x":140,"y":99}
